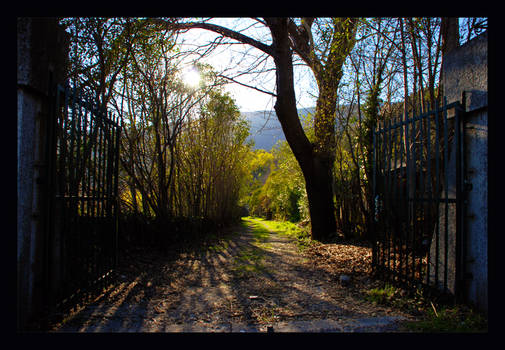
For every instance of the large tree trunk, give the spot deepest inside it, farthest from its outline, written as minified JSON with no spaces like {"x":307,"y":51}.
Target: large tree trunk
{"x":316,"y":168}
{"x":318,"y":183}
{"x":450,"y":34}
{"x":316,"y":161}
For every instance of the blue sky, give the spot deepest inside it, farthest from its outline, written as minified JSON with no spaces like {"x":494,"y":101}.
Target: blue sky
{"x":236,"y":57}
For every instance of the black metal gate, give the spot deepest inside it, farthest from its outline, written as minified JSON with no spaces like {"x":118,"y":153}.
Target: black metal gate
{"x":418,"y":191}
{"x":82,"y":210}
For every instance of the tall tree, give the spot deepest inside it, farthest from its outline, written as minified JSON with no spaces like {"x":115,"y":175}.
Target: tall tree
{"x":325,"y":58}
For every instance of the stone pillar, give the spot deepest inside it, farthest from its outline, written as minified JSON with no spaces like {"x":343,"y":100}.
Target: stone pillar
{"x":465,"y":80}
{"x":42,"y":55}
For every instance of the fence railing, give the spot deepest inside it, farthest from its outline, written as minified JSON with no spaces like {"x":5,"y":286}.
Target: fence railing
{"x":418,"y":226}
{"x":81,"y":229}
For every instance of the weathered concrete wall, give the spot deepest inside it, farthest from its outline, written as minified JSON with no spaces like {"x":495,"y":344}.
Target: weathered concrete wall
{"x":477,"y":210}
{"x":41,"y":54}
{"x":465,"y":70}
{"x":465,"y":79}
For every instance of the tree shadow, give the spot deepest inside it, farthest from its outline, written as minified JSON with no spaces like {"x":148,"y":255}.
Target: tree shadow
{"x":200,"y":290}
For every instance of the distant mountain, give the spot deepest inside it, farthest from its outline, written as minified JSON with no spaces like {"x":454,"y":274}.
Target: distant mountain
{"x":266,"y":129}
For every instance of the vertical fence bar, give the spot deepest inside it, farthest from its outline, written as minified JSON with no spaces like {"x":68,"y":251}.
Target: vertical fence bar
{"x":108,"y":234}
{"x":383,"y":201}
{"x":98,"y":221}
{"x":78,"y":230}
{"x":87,"y":179}
{"x":116,"y":194}
{"x":446,"y":193}
{"x":387,"y":197}
{"x":89,"y":146}
{"x":374,"y":204}
{"x":105,"y":229}
{"x":97,"y":245}
{"x":430,"y":197}
{"x":407,"y":190}
{"x":412,"y":199}
{"x":377,"y":197}
{"x":402,"y":266}
{"x":94,"y":150}
{"x":110,"y":224}
{"x":422,"y":203}
{"x":394,"y":194}
{"x":72,"y":248}
{"x":96,"y":180}
{"x":113,"y":215}
{"x":400,"y":196}
{"x":438,"y":194}
{"x":92,"y":186}
{"x":99,"y":240}
{"x":84,"y":163}
{"x":68,"y":203}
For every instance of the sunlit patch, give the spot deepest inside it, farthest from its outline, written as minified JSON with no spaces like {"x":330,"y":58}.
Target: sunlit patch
{"x":191,"y":77}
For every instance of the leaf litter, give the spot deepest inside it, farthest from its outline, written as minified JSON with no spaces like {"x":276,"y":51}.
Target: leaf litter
{"x":200,"y":290}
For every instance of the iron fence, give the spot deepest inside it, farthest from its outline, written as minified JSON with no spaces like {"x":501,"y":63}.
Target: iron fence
{"x":418,"y":192}
{"x":82,"y":210}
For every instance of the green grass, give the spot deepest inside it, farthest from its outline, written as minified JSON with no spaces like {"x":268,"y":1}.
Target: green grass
{"x":433,"y":317}
{"x":381,"y":295}
{"x":284,"y":228}
{"x":450,"y":319}
{"x":250,"y":260}
{"x":260,"y":232}
{"x":219,"y":247}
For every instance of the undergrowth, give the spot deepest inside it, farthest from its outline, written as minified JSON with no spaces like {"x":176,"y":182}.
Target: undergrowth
{"x":433,"y":316}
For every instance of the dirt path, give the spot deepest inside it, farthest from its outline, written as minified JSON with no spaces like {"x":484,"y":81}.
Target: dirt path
{"x":252,"y":280}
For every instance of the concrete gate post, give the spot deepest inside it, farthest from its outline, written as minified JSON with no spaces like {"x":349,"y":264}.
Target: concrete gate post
{"x":466,"y":80}
{"x":42,"y":55}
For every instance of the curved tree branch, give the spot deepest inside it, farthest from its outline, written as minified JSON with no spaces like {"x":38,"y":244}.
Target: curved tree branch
{"x":173,"y":25}
{"x":248,"y":86}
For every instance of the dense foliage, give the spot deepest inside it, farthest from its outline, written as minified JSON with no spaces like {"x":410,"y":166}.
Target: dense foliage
{"x":276,"y":189}
{"x":395,"y":66}
{"x":185,"y":162}
{"x":183,"y":146}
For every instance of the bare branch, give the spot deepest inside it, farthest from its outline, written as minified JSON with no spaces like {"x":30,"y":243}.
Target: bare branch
{"x":249,"y":86}
{"x":214,"y":28}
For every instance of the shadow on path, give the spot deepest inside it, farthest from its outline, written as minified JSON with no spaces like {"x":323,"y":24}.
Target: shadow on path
{"x":251,"y":279}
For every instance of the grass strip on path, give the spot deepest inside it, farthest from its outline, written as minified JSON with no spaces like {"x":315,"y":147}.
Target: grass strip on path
{"x":283,"y":228}
{"x":250,"y":260}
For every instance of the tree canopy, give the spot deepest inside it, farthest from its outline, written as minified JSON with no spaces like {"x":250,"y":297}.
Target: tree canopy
{"x":184,"y":151}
